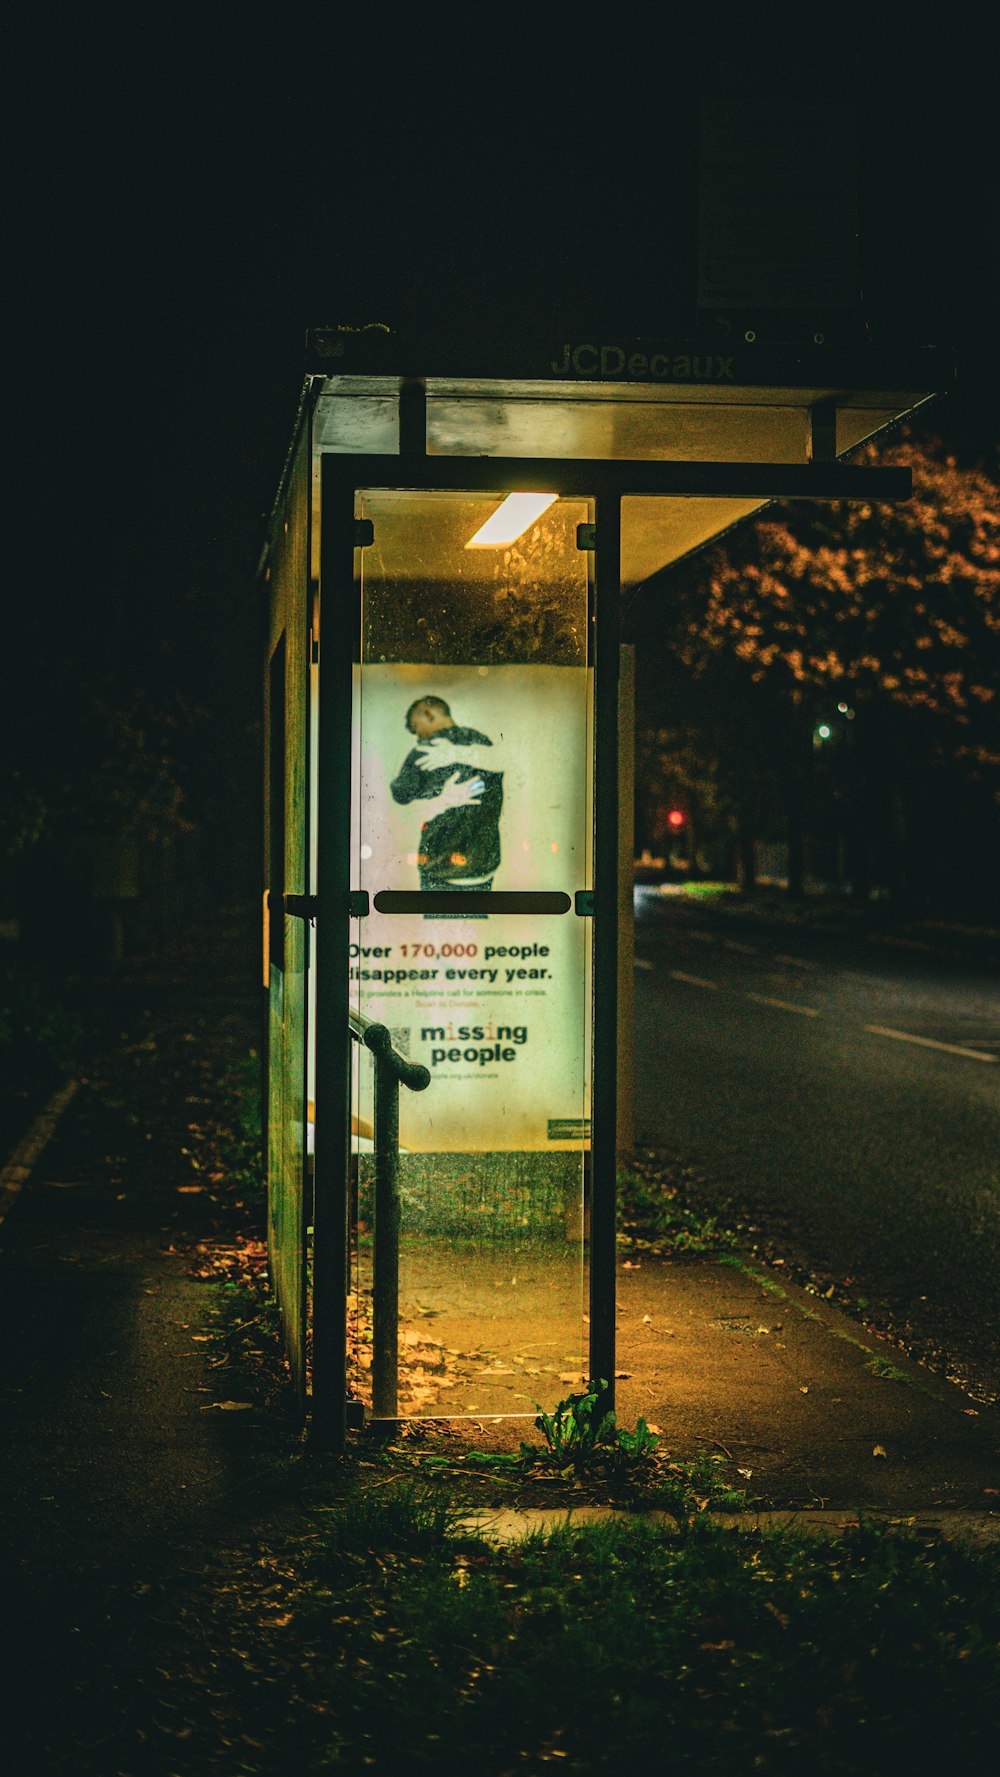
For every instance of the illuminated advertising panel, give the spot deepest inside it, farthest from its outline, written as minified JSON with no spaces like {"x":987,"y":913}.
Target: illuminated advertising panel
{"x":475,"y":777}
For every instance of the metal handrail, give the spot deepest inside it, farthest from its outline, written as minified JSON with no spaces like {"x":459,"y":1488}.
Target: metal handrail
{"x":391,"y":1069}
{"x":378,"y":1038}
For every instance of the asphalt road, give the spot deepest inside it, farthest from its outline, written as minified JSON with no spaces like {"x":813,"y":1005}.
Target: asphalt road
{"x":845,"y":1097}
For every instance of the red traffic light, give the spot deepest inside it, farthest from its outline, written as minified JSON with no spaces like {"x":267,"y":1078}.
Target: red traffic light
{"x":675,"y":818}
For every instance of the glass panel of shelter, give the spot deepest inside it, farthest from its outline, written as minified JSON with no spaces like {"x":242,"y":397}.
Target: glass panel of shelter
{"x":472,"y":739}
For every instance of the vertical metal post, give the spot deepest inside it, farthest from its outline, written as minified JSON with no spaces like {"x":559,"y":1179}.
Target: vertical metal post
{"x":385,"y":1259}
{"x":625,"y":1116}
{"x":339,"y":648}
{"x":603,"y":1141}
{"x":412,"y":417}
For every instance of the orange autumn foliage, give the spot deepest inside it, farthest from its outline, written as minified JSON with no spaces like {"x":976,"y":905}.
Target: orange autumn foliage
{"x":898,"y":603}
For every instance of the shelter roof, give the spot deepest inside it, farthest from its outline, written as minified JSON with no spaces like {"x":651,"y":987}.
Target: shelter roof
{"x":614,"y":398}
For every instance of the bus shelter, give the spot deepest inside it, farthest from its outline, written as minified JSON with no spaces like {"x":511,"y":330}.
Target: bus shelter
{"x":444,"y":900}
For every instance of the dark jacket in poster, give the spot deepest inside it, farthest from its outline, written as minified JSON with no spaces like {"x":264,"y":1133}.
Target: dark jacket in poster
{"x":458,"y":843}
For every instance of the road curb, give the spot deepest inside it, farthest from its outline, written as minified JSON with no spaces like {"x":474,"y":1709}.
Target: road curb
{"x":24,"y":1158}
{"x":509,"y":1525}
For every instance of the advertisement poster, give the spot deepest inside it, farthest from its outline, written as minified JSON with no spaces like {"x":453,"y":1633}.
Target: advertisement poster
{"x":472,"y":777}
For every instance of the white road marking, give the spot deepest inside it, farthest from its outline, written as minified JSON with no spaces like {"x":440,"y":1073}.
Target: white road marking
{"x":797,"y":962}
{"x":694,"y":980}
{"x":702,"y":937}
{"x":765,"y":999}
{"x":906,"y":1036}
{"x":744,"y":949}
{"x":641,"y":962}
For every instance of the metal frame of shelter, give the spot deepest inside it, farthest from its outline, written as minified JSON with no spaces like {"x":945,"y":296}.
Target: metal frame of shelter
{"x":317,"y":1337}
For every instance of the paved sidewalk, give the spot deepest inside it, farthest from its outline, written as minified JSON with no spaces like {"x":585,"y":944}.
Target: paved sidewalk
{"x":812,"y":1408}
{"x":810,"y":1411}
{"x":108,"y":1395}
{"x":106,"y":1362}
{"x":128,"y":1500}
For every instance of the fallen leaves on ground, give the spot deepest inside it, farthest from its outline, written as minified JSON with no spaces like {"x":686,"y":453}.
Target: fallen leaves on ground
{"x":241,"y":1261}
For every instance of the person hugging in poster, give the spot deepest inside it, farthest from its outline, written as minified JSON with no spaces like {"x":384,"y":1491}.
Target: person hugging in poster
{"x":461,"y":785}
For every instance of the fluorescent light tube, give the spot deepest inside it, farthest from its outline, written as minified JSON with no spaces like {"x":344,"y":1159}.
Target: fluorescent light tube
{"x":511,"y":520}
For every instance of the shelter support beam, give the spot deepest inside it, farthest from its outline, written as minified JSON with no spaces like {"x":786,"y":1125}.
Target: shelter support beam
{"x":340,"y":620}
{"x":626,"y":901}
{"x":604,"y":1132}
{"x":822,"y":443}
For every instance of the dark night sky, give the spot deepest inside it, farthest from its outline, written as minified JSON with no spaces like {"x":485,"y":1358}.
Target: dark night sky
{"x":195,"y":197}
{"x":190,"y":195}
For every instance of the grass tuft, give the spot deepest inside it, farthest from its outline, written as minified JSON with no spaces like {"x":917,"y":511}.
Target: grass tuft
{"x":407,"y":1518}
{"x":652,"y":1217}
{"x":883,"y":1367}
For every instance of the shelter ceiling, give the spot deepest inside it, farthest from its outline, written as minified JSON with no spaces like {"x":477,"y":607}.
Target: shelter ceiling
{"x":613,"y":422}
